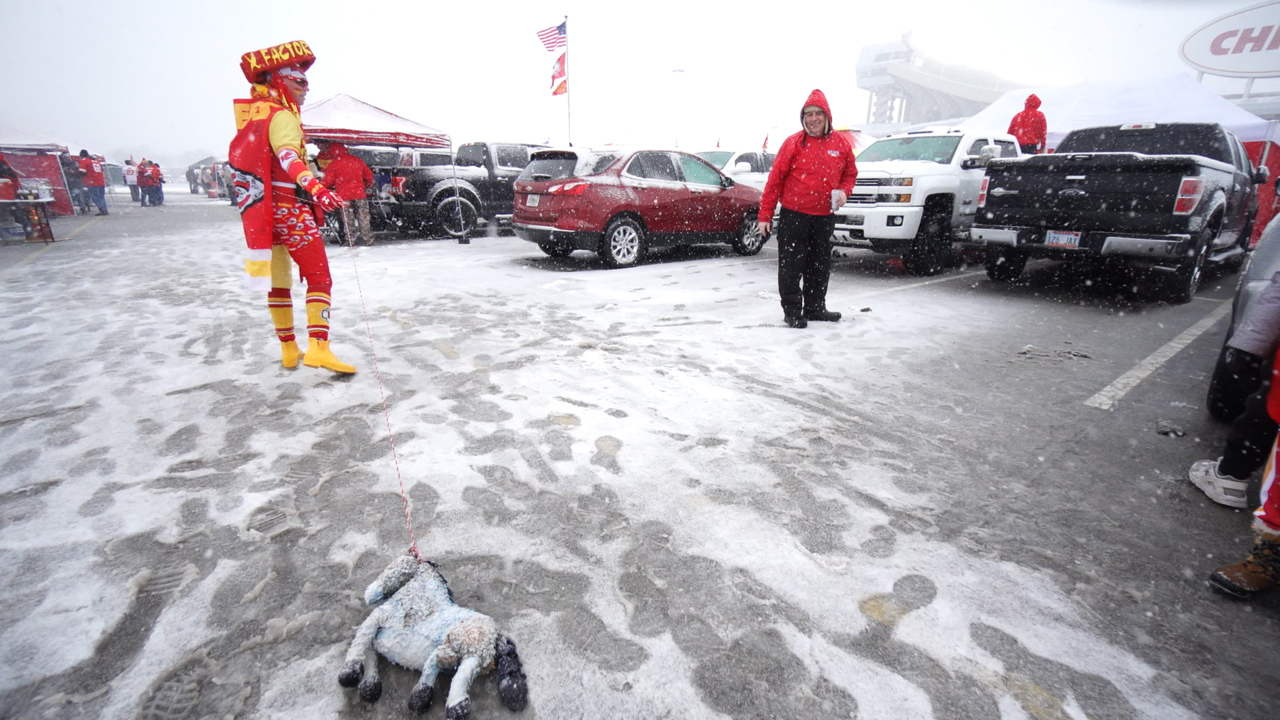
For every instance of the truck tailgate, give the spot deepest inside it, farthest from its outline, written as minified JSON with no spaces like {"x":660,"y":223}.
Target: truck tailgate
{"x":1086,"y":191}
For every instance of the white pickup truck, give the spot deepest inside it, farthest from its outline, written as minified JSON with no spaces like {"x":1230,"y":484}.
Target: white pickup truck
{"x":917,"y":192}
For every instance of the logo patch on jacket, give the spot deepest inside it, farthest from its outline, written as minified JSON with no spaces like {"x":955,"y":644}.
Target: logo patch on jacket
{"x":833,"y":153}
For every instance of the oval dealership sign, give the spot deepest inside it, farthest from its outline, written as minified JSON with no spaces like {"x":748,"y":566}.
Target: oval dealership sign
{"x":1245,"y":43}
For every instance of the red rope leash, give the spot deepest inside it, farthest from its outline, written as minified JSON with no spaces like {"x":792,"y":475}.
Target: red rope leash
{"x":386,"y":414}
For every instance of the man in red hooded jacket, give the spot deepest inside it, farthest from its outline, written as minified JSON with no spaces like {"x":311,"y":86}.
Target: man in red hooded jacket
{"x":812,"y":176}
{"x":350,"y":178}
{"x":1030,"y":127}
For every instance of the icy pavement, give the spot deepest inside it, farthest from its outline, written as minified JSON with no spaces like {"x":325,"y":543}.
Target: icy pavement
{"x":676,"y":506}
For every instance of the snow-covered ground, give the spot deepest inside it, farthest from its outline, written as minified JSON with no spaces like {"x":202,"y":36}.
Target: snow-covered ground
{"x":675,"y":505}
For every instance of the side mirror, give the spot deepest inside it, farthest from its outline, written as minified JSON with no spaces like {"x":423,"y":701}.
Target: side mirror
{"x":742,"y":167}
{"x":1261,"y":175}
{"x":985,"y":156}
{"x":726,"y":181}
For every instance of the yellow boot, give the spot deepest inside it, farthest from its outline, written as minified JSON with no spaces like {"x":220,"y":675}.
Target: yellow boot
{"x":318,"y":355}
{"x":289,"y":354}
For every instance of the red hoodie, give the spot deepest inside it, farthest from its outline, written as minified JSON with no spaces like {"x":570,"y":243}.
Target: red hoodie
{"x":1029,"y":126}
{"x":346,"y":174}
{"x":808,"y":168}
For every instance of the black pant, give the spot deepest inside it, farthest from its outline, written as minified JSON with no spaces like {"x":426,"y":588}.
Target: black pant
{"x":1252,"y":434}
{"x":1031,"y":149}
{"x":804,"y":259}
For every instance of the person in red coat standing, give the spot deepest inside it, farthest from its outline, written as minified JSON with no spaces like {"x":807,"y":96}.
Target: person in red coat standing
{"x":94,"y":181}
{"x":350,"y":178}
{"x":1261,"y":569}
{"x":812,"y":176}
{"x":1030,"y":127}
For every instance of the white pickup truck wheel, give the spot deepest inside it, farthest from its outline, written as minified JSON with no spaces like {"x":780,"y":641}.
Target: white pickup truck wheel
{"x":931,"y":247}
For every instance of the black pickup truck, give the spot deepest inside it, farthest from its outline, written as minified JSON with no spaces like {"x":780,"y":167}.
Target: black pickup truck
{"x":453,"y":198}
{"x":1168,"y":196}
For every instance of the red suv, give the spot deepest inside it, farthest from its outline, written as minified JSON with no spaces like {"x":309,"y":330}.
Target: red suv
{"x":621,"y":203}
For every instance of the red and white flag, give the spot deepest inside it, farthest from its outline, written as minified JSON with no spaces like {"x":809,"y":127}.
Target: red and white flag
{"x":555,"y":37}
{"x":558,"y":70}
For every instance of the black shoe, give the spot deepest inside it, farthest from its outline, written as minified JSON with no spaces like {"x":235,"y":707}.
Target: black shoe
{"x":823,"y":315}
{"x":796,"y":321}
{"x":101,"y":213}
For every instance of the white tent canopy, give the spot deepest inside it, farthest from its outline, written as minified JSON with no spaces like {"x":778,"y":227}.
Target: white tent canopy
{"x":345,"y":119}
{"x":13,"y":138}
{"x":1173,"y":98}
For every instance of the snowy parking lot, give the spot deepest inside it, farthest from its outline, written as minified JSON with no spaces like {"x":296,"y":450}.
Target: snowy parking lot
{"x":674,"y":504}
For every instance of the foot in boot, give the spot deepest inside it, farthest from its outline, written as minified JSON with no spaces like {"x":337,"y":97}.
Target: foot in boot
{"x":796,"y":321}
{"x":1222,"y":489}
{"x":822,"y":315}
{"x":289,"y":354}
{"x":1258,"y":572}
{"x":318,"y":355}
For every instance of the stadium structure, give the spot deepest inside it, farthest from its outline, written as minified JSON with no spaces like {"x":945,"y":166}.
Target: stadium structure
{"x":908,"y":88}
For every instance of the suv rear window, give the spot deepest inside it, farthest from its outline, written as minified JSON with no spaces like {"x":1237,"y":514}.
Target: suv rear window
{"x":1204,"y":140}
{"x":558,"y":165}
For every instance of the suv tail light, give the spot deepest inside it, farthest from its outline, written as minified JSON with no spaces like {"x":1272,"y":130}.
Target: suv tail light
{"x":982,"y":193}
{"x":1188,"y":196}
{"x":570,"y":188}
{"x":397,"y":185}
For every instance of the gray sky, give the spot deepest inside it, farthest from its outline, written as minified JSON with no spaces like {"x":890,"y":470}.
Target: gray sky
{"x":157,"y":80}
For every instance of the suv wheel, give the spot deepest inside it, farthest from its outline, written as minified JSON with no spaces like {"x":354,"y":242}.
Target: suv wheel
{"x":1004,"y":265}
{"x":457,"y":216}
{"x":749,"y":241}
{"x":931,"y":247}
{"x":623,"y":244}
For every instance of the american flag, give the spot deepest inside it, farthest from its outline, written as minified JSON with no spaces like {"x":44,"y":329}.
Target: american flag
{"x":555,"y":37}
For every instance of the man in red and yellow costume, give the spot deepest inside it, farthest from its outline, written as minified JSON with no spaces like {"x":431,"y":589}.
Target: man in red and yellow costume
{"x":276,"y":191}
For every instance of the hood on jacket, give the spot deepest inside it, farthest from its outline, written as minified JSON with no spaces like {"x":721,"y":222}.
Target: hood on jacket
{"x":332,"y":151}
{"x":1033,"y":102}
{"x":817,"y":99}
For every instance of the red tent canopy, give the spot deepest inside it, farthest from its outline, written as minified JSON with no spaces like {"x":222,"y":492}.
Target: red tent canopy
{"x":36,"y":156}
{"x":345,"y":119}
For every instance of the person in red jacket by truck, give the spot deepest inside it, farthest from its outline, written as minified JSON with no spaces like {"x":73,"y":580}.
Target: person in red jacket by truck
{"x":812,"y":176}
{"x":1030,"y":127}
{"x":350,"y":178}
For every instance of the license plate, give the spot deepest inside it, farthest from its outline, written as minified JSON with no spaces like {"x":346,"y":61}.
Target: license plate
{"x":532,"y":201}
{"x":1062,"y":239}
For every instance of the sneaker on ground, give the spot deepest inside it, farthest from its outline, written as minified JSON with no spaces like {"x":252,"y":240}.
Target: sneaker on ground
{"x":1222,"y":489}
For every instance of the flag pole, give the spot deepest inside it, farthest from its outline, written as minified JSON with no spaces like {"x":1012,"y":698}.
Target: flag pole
{"x":568,"y":93}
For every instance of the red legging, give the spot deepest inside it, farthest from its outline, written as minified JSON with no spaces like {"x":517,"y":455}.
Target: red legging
{"x":295,"y":228}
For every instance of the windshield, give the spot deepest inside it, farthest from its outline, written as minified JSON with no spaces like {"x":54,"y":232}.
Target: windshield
{"x":928,"y":149}
{"x":561,"y":164}
{"x":716,"y":157}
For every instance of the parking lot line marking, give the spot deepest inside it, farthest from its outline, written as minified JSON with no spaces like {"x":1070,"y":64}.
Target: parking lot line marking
{"x":912,"y":286}
{"x":1107,"y":397}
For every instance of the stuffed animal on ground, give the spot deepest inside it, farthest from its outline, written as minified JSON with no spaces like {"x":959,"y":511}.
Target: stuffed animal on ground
{"x":417,"y":625}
